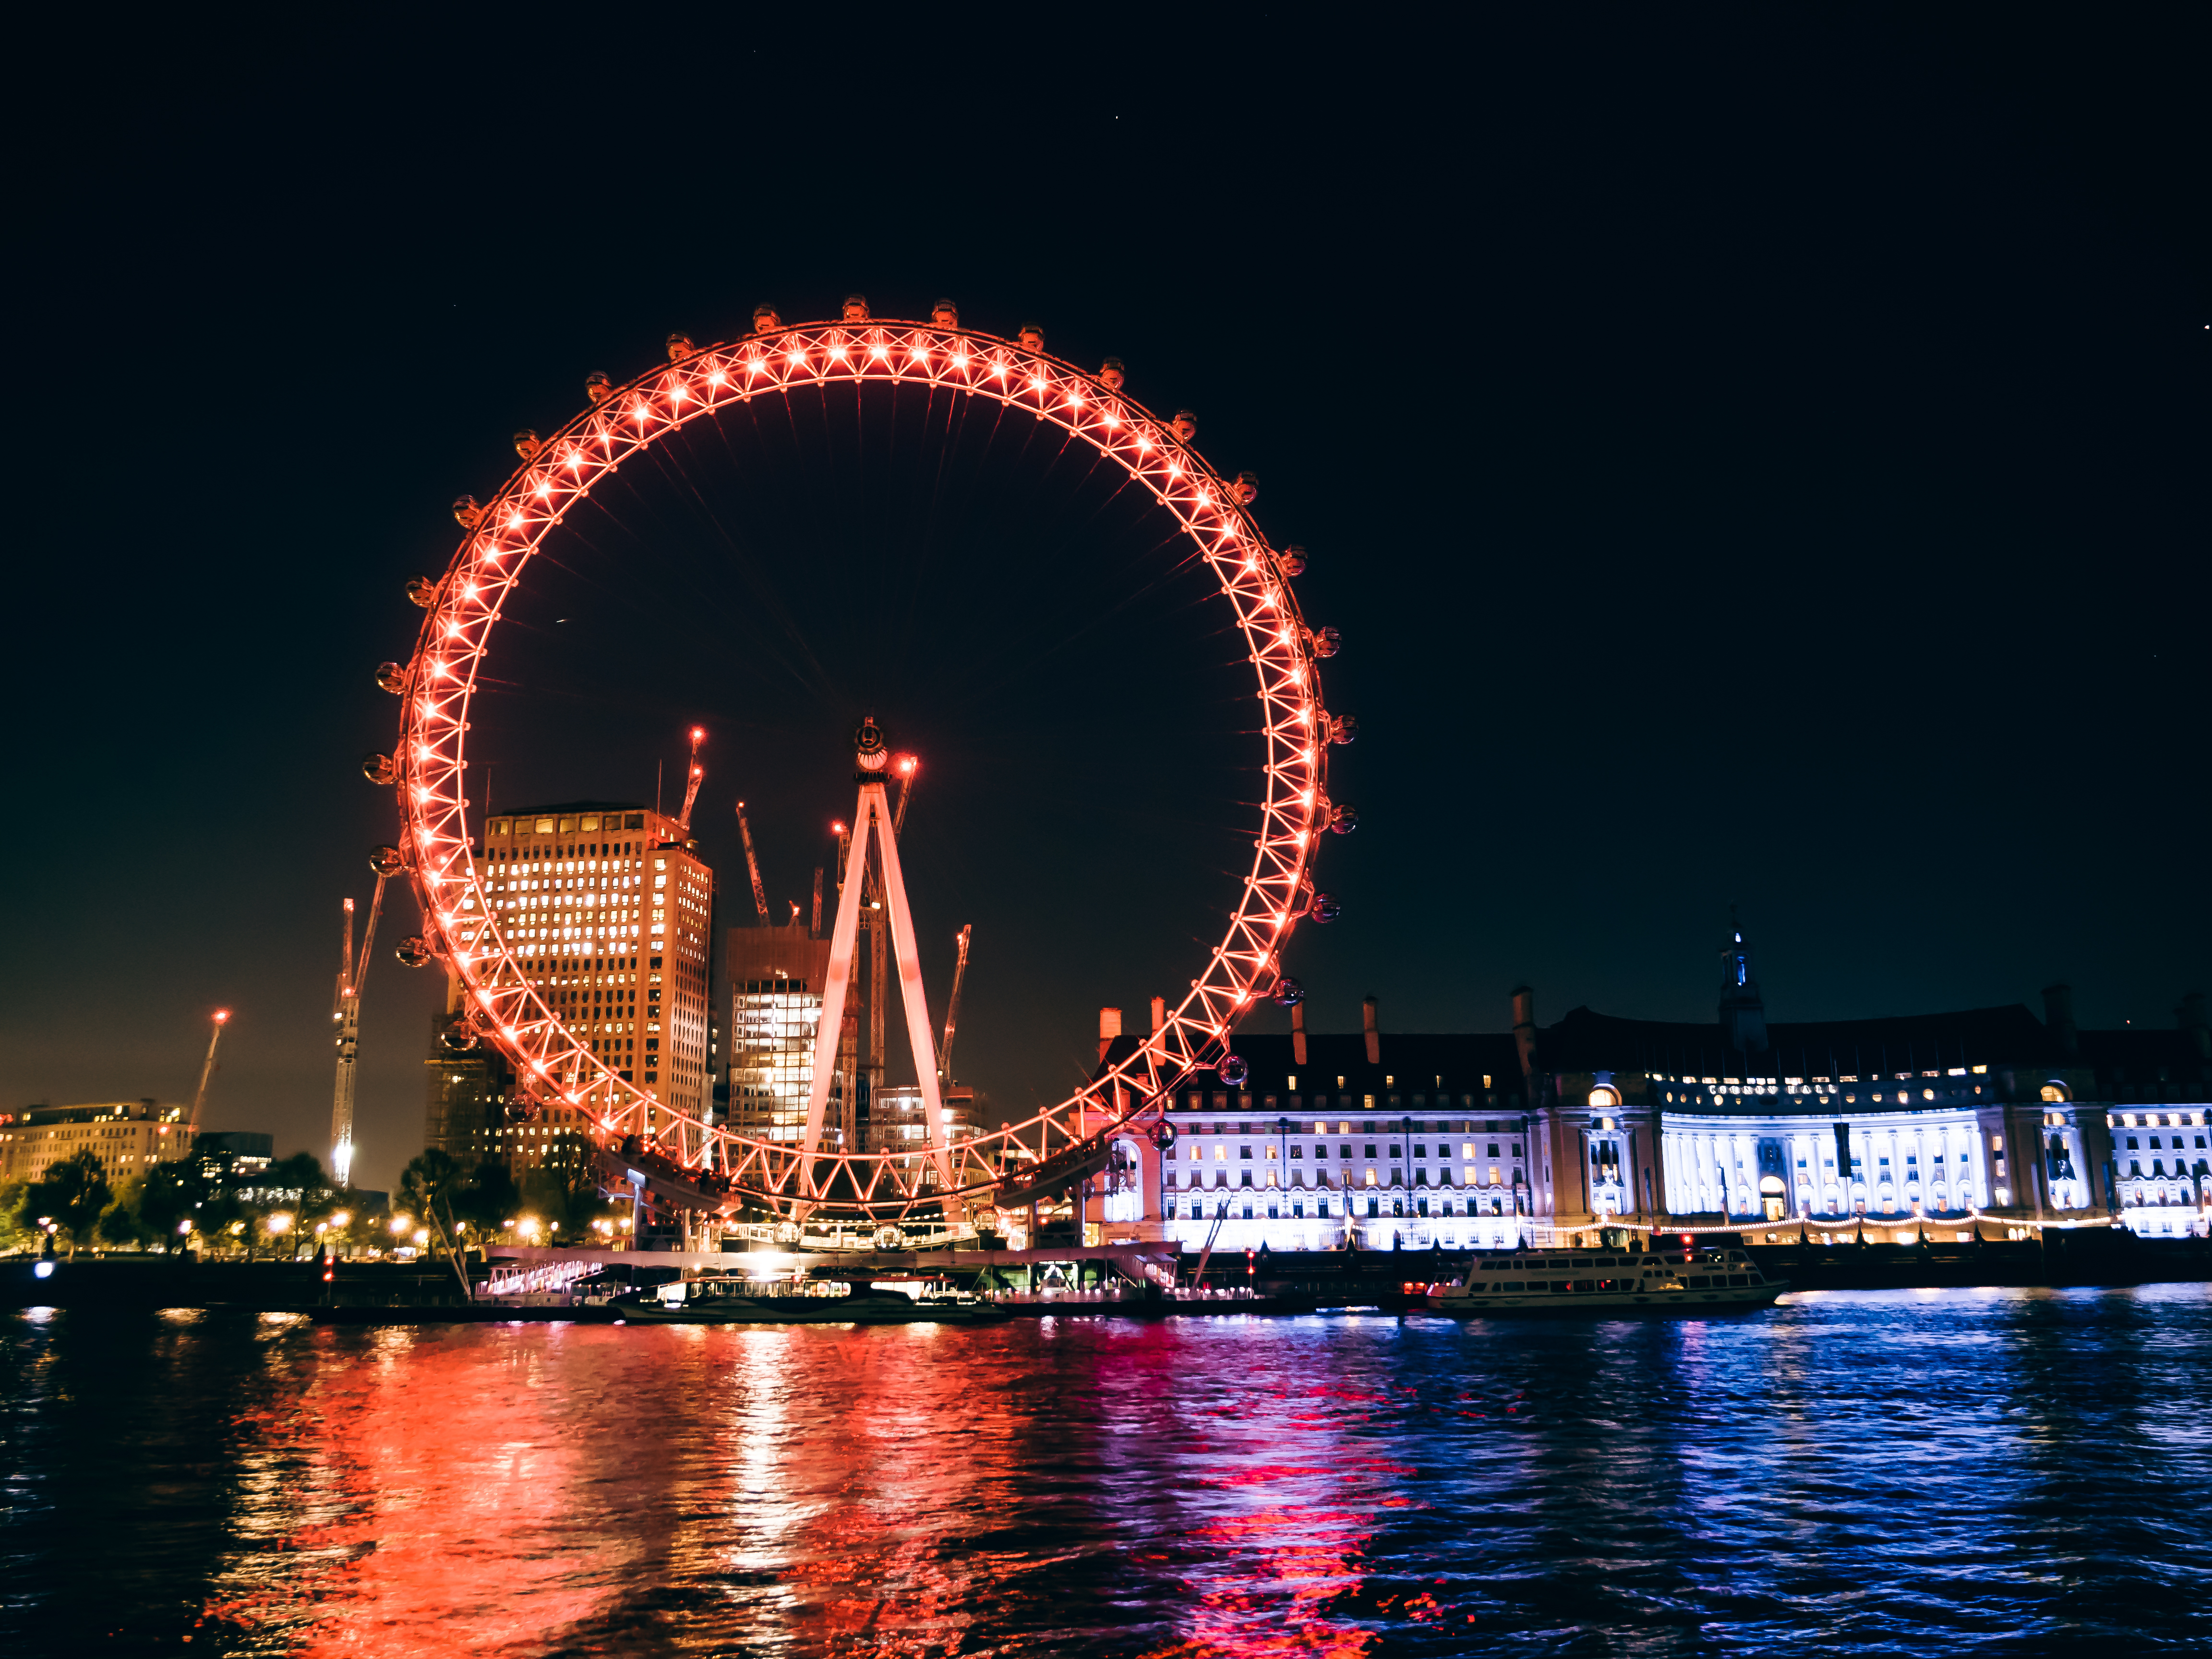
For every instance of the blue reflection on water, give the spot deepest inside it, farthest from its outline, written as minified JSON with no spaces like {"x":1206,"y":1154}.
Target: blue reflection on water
{"x":1990,"y":1471}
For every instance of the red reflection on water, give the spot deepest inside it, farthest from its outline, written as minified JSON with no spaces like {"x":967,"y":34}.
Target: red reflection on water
{"x":497,"y":1489}
{"x":420,"y":1499}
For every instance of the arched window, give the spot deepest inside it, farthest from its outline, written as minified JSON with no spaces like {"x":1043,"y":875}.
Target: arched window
{"x":1604,"y":1098}
{"x":2055,"y":1091}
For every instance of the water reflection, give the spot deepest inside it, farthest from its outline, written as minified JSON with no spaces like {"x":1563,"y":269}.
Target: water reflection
{"x":1869,"y":1473}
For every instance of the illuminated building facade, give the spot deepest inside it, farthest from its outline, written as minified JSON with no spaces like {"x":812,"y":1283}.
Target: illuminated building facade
{"x":1906,"y":1121}
{"x":1411,"y":1141}
{"x":128,"y":1137}
{"x":1485,"y":1140}
{"x":609,"y":908}
{"x":775,"y":976}
{"x":235,"y":1157}
{"x":898,"y":1123}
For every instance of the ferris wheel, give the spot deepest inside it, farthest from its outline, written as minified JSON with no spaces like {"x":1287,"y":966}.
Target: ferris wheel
{"x":712,"y":1170}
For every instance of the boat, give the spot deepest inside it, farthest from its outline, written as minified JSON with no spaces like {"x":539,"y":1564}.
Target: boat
{"x":1605,"y":1282}
{"x":729,"y":1299}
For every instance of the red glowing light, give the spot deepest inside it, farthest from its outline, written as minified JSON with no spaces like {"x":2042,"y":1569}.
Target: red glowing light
{"x":222,"y":1016}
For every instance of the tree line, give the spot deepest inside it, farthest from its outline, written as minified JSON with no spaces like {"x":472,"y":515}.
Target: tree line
{"x":195,"y":1203}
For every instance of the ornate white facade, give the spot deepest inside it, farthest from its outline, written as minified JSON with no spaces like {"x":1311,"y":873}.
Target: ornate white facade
{"x":1410,"y":1141}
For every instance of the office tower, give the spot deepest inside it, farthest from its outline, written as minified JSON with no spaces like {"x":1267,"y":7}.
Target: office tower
{"x":776,"y":976}
{"x":609,"y":910}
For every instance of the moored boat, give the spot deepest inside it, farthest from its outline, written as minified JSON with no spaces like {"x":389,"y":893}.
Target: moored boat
{"x":1602,"y":1281}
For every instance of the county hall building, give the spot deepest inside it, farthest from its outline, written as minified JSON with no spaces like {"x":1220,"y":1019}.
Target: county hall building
{"x":1482,"y":1140}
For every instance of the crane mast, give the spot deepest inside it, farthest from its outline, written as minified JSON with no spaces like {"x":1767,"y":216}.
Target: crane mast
{"x":345,"y":1014}
{"x":691,"y":789}
{"x":752,"y":866}
{"x":207,"y":1071}
{"x":952,"y":1008}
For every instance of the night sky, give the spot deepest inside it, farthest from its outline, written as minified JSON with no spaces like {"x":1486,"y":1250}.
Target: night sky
{"x":1753,"y":459}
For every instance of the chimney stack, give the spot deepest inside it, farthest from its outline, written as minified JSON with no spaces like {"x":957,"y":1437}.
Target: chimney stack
{"x":1367,"y":1010}
{"x":1110,"y":1027}
{"x":1299,"y":1032}
{"x":1159,"y":1013}
{"x":2192,"y":1015}
{"x":2058,"y":1016}
{"x":1524,"y":1027}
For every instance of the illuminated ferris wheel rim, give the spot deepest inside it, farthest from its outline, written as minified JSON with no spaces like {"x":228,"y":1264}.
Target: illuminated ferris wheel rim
{"x":467,"y":929}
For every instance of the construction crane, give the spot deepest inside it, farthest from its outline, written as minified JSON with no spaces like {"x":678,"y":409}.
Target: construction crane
{"x":207,"y":1071}
{"x":752,"y":865}
{"x":909,"y":770}
{"x":952,"y":1010}
{"x":345,"y":1014}
{"x":691,"y":789}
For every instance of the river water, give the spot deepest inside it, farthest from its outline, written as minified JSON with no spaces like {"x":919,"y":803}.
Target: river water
{"x":1943,"y":1473}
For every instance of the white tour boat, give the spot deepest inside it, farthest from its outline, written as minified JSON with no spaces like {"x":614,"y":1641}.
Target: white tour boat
{"x":1591,"y":1282}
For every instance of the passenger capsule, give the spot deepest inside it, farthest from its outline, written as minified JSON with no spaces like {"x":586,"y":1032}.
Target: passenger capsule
{"x":598,"y":387}
{"x":379,"y":768}
{"x":387,"y":861}
{"x":1032,"y":338}
{"x":945,"y":314}
{"x":1164,"y":1135}
{"x":421,"y":591}
{"x":527,"y":444}
{"x":467,"y":513}
{"x":1234,"y":1071}
{"x":1345,"y":729}
{"x":391,"y":677}
{"x":1291,"y":561}
{"x":1342,"y":820}
{"x":1184,"y":426}
{"x":765,"y":321}
{"x":412,"y":951}
{"x":1246,"y":489}
{"x":1327,"y":641}
{"x":1327,"y":908}
{"x":856,"y":308}
{"x":458,"y":1040}
{"x":679,"y":348}
{"x":1110,"y":375}
{"x":1288,"y":992}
